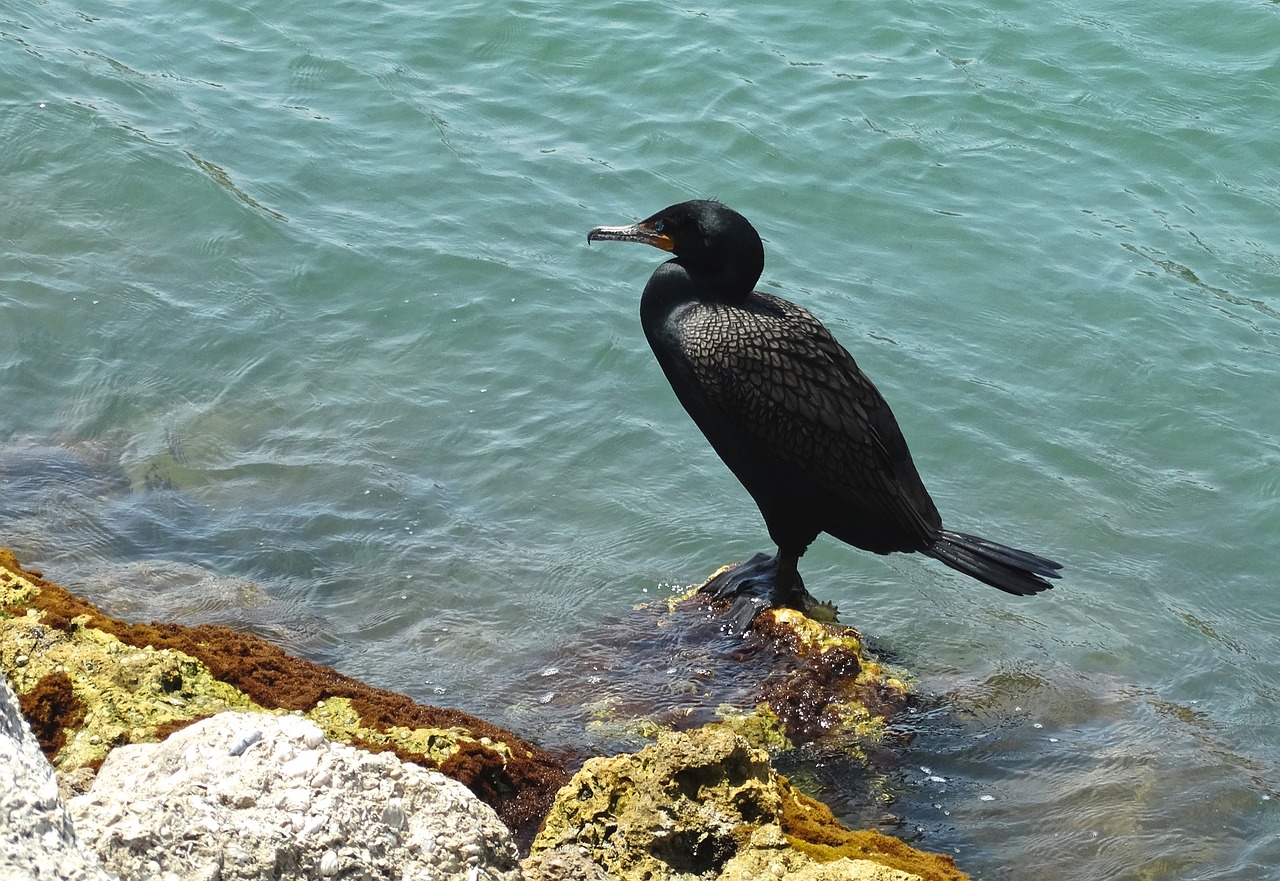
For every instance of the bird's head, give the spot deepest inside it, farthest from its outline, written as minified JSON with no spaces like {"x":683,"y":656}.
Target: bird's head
{"x":707,"y":238}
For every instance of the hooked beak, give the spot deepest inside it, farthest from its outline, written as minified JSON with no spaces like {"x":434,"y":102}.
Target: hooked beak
{"x":638,"y":232}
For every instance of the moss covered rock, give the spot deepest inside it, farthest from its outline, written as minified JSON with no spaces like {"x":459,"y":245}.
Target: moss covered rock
{"x":89,"y":682}
{"x":706,"y":804}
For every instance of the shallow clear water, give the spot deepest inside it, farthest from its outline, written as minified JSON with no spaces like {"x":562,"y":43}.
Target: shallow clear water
{"x":296,"y":313}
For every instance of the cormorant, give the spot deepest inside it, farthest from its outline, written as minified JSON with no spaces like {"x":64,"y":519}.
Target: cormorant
{"x":787,"y":409}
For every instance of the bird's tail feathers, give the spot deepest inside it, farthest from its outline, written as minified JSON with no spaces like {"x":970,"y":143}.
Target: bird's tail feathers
{"x":1017,"y":572}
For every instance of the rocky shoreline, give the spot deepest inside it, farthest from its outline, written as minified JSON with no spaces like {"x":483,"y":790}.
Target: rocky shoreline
{"x":202,"y":753}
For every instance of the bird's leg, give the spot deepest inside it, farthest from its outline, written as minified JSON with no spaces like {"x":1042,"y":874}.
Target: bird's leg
{"x":761,"y":583}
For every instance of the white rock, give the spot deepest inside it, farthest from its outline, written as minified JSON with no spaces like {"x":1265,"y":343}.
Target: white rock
{"x":393,"y":813}
{"x":313,"y":737}
{"x":312,"y":826}
{"x":302,"y":765}
{"x":36,"y":836}
{"x":340,"y":800}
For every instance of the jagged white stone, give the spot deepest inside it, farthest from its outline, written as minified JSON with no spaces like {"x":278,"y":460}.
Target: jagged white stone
{"x":218,"y":800}
{"x":36,"y":836}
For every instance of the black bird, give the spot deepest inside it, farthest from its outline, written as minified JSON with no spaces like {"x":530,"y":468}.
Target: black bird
{"x":790,"y":413}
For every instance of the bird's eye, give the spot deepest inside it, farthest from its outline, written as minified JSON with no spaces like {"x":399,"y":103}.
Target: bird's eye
{"x":657,"y":227}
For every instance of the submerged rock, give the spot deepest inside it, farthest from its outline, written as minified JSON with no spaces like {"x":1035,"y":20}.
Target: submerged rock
{"x":250,"y":796}
{"x":706,"y":804}
{"x":790,"y":681}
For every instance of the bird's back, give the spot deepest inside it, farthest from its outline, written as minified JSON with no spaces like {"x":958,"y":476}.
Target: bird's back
{"x":790,"y":412}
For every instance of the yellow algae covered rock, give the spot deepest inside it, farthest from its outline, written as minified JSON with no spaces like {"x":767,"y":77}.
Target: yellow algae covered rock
{"x":88,"y":682}
{"x":812,"y":830}
{"x":837,"y":689}
{"x":341,"y":721}
{"x":702,"y":804}
{"x":706,"y":804}
{"x":84,"y":691}
{"x":759,"y":726}
{"x":771,"y":856}
{"x":15,"y":587}
{"x":681,"y":807}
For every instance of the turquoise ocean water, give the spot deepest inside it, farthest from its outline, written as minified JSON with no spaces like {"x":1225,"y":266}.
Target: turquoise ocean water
{"x":299,"y":331}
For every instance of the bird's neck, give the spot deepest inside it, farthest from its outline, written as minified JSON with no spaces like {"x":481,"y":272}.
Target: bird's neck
{"x":673,"y":284}
{"x":672,"y":292}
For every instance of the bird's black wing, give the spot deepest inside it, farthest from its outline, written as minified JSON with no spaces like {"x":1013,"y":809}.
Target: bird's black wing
{"x":784,"y":382}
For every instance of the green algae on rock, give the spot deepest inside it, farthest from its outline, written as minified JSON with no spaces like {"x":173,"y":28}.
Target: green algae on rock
{"x":759,"y":726}
{"x":706,"y":804}
{"x":87,"y":692}
{"x":139,"y":682}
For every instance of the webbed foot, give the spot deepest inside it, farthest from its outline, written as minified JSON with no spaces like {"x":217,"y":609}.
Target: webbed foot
{"x":761,"y":583}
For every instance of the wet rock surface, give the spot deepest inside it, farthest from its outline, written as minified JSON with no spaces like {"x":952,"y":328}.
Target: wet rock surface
{"x":790,"y":681}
